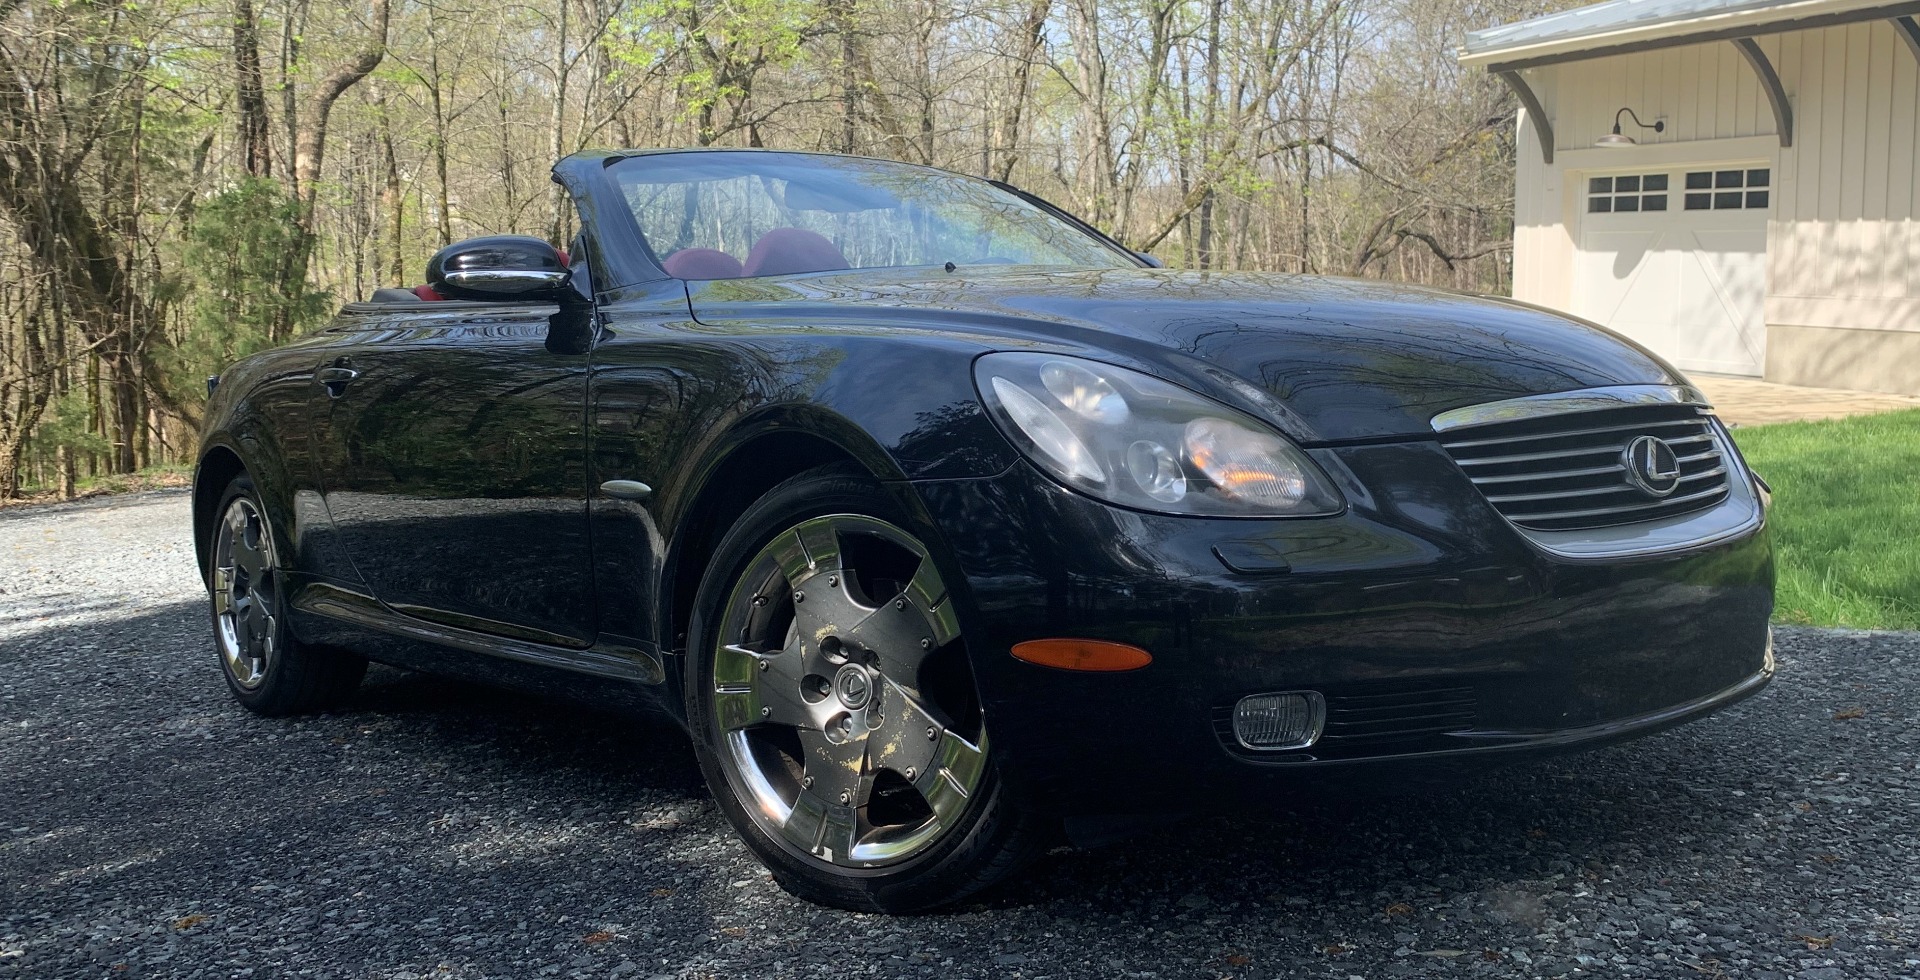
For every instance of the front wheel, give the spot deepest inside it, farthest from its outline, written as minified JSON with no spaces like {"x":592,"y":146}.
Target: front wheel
{"x":268,"y":671}
{"x":834,"y":708}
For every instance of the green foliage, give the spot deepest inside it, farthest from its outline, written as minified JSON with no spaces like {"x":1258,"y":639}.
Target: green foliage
{"x":1845,"y":518}
{"x":242,"y":297}
{"x":67,"y":424}
{"x":711,"y":51}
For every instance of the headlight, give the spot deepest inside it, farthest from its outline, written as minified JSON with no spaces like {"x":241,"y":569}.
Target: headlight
{"x":1137,"y":441}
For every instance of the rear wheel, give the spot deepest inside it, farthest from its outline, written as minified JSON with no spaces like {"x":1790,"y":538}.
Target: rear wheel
{"x":835,"y":711}
{"x":267,"y":670}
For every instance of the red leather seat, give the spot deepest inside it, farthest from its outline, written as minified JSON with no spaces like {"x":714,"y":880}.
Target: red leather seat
{"x":785,"y":251}
{"x":702,"y":263}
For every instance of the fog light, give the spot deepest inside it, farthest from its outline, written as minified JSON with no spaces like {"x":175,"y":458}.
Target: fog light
{"x":1277,"y":722}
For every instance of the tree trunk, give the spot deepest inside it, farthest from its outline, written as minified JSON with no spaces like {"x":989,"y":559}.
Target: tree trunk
{"x":556,"y":128}
{"x":310,"y":138}
{"x":393,"y":199}
{"x":1203,"y":247}
{"x":310,"y":146}
{"x":252,"y":144}
{"x":443,"y":203}
{"x":1006,"y":143}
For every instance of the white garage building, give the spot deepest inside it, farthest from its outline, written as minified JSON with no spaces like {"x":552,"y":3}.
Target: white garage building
{"x":1762,"y":221}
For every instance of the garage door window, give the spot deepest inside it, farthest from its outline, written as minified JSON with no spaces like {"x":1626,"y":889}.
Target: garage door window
{"x":1627,"y":192}
{"x":1728,"y":190}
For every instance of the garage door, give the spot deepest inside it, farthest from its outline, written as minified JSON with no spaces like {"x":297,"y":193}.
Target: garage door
{"x":1677,"y":260}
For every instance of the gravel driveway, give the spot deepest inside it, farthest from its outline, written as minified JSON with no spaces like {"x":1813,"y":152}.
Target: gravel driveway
{"x":149,"y":827}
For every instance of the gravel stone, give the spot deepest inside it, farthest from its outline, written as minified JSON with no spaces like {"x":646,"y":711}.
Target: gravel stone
{"x":151,"y":828}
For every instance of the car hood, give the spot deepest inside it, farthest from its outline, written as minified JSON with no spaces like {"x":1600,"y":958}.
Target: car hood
{"x":1330,"y":360}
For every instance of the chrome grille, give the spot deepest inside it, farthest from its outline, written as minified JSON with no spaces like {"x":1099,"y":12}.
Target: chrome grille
{"x":1567,"y":471}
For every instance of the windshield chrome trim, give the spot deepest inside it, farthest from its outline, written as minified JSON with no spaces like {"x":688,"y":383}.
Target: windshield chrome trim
{"x":1567,"y":403}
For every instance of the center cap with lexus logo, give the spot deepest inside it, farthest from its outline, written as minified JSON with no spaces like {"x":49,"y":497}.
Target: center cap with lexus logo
{"x":854,"y":687}
{"x":1652,"y":466}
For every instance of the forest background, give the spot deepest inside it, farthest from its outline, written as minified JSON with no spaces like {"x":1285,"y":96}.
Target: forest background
{"x":184,"y":182}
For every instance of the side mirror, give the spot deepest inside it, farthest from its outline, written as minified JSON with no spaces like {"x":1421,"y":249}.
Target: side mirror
{"x":498,"y":267}
{"x":1153,"y":262}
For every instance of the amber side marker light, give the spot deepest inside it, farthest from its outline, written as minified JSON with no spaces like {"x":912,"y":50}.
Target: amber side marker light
{"x":1097,"y":655}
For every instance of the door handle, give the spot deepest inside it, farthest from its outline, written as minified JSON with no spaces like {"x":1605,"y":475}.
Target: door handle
{"x":335,"y":379}
{"x":626,"y":489}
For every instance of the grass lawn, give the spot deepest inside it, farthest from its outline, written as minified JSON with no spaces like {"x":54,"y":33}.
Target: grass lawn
{"x":1846,"y":518}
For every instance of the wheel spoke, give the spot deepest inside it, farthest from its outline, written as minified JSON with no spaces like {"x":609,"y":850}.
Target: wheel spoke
{"x":744,"y":707}
{"x":825,"y":607}
{"x":247,"y":558}
{"x":259,"y":616}
{"x":735,"y":666}
{"x":901,"y":742}
{"x":953,"y":775}
{"x":837,"y":768}
{"x":222,"y":591}
{"x":807,"y":550}
{"x":899,"y":635}
{"x":839,"y":831}
{"x":752,"y":688}
{"x":821,"y":828}
{"x":929,"y":594}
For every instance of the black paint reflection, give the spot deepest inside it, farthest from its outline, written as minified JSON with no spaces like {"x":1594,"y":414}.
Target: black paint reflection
{"x":455,"y":471}
{"x":1349,"y":359}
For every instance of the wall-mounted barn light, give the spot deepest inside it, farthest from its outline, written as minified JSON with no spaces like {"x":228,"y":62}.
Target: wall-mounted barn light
{"x":1615,"y":141}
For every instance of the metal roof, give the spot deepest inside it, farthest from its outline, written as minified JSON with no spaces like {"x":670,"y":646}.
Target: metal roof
{"x":1616,"y":23}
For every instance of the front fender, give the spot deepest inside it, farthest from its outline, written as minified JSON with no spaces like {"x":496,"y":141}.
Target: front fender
{"x":258,"y":422}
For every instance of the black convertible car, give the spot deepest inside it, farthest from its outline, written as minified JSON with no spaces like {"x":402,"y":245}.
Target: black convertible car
{"x":945,"y":523}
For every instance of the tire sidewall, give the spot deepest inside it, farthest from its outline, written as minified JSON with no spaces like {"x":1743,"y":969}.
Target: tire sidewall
{"x":919,"y":882}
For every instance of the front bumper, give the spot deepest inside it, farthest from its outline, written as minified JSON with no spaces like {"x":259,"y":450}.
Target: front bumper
{"x":1434,"y":630}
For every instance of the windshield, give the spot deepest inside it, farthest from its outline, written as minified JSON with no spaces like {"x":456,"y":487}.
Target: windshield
{"x":721,"y":215}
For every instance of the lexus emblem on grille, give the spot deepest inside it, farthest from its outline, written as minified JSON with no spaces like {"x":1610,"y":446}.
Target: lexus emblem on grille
{"x":1652,"y":465}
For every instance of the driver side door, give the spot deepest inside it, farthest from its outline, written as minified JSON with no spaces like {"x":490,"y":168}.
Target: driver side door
{"x":453,"y":459}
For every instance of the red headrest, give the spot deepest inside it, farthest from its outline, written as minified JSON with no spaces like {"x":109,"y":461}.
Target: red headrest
{"x":702,"y":263}
{"x":784,"y":251}
{"x":427,"y":294}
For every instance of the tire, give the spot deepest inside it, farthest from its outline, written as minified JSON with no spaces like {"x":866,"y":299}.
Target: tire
{"x":268,"y":671}
{"x":844,"y":739}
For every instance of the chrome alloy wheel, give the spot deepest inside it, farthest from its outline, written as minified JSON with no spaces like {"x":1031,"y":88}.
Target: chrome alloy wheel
{"x":841,"y":692}
{"x":246,"y":600}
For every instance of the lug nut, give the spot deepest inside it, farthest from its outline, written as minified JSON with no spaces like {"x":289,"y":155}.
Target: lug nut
{"x":833,"y":580}
{"x":932,"y":733}
{"x":759,"y":600}
{"x":764,"y":664}
{"x":899,"y":603}
{"x":799,"y":596}
{"x":766,"y":711}
{"x":846,"y":797}
{"x":926,"y":643}
{"x":911,"y":772}
{"x":806,"y":781}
